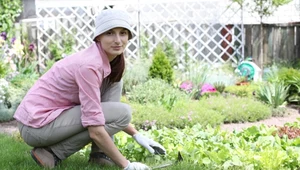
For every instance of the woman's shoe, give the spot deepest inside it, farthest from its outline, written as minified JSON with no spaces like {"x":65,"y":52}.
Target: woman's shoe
{"x":44,"y":157}
{"x":101,"y":159}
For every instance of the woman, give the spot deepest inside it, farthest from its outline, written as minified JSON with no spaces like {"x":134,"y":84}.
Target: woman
{"x":78,"y":101}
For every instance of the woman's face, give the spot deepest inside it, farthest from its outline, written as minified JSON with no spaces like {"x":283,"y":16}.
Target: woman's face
{"x":114,"y":41}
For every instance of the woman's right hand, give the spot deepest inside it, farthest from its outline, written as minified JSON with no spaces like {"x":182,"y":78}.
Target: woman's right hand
{"x":136,"y":166}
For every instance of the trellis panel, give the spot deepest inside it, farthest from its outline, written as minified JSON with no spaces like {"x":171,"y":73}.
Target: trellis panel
{"x":212,"y":29}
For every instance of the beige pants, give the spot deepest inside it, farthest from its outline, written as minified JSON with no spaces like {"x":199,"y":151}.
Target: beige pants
{"x":66,"y":135}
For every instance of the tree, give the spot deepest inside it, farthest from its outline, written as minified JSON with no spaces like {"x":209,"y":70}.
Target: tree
{"x":264,"y":8}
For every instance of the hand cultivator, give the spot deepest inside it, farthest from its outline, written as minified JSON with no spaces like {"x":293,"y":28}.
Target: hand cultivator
{"x":179,"y":159}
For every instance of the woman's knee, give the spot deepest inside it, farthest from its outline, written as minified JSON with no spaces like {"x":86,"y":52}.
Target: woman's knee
{"x":127,"y":113}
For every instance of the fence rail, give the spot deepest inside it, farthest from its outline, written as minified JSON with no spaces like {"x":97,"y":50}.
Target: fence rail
{"x":281,"y":42}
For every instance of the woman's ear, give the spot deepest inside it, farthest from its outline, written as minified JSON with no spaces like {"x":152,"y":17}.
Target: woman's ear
{"x":97,"y":39}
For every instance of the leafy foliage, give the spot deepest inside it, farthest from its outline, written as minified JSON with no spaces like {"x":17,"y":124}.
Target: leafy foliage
{"x":213,"y":110}
{"x":220,"y":86}
{"x":161,"y":67}
{"x":152,"y":91}
{"x":3,"y":69}
{"x":168,"y":48}
{"x":274,"y":94}
{"x":8,"y":13}
{"x":291,"y":77}
{"x":136,"y":74}
{"x":62,"y":48}
{"x":237,"y":109}
{"x":212,"y":148}
{"x":242,"y":91}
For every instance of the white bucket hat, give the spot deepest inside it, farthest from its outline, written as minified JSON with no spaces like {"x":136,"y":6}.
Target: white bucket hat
{"x":112,"y":18}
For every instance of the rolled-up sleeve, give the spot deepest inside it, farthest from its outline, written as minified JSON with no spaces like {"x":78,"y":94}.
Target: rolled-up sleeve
{"x":89,"y":81}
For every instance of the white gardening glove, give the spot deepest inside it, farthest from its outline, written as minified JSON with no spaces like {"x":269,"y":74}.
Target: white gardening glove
{"x":136,"y":166}
{"x":152,"y":146}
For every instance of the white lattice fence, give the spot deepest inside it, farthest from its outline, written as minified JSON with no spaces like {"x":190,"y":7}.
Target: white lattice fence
{"x":212,"y":30}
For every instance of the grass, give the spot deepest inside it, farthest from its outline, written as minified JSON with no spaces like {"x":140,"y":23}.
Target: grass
{"x":15,"y":154}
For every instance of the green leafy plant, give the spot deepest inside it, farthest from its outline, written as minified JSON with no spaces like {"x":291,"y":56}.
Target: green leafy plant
{"x":3,"y":69}
{"x":59,"y":49}
{"x":168,"y":101}
{"x":257,"y":147}
{"x":136,"y":74}
{"x":161,"y":67}
{"x":291,"y":77}
{"x":274,"y":94}
{"x":8,"y":13}
{"x":220,"y":86}
{"x":152,"y":91}
{"x":168,"y":48}
{"x":294,"y":83}
{"x":213,"y":110}
{"x":242,"y":91}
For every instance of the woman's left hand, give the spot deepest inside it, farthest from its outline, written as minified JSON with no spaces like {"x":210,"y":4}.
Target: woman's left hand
{"x":152,"y":146}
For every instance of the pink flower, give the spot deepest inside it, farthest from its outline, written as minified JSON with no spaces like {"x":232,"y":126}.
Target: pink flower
{"x":207,"y":88}
{"x":186,"y":86}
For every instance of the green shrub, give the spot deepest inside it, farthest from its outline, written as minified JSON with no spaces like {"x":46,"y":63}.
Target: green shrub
{"x":242,"y":91}
{"x":161,"y":67}
{"x":237,"y":109}
{"x":136,"y":74}
{"x":24,"y":81}
{"x":294,"y":94}
{"x":153,"y":91}
{"x":183,"y":114}
{"x":291,"y":78}
{"x":213,"y":111}
{"x":10,"y":10}
{"x":273,"y":94}
{"x":209,"y":94}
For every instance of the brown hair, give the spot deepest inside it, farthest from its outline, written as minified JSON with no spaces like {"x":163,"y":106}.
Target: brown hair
{"x":117,"y":66}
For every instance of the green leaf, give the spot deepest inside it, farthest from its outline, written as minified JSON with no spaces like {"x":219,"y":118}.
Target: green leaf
{"x":206,"y":161}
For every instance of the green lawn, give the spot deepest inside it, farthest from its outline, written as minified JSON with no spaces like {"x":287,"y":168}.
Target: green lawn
{"x":15,"y":155}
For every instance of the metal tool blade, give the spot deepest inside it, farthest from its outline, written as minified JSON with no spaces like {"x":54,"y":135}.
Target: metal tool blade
{"x":179,"y":159}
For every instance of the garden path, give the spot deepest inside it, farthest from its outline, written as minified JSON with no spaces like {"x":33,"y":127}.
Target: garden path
{"x":294,"y":113}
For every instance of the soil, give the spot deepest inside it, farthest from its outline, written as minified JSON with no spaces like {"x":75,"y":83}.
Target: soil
{"x":293,"y":113}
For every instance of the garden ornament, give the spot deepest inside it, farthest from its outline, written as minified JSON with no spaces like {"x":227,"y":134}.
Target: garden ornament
{"x":179,"y":159}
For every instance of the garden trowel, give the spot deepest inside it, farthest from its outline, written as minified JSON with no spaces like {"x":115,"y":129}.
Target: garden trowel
{"x":179,"y":159}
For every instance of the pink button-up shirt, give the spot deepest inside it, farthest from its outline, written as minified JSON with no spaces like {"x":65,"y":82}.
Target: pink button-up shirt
{"x":74,"y":80}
